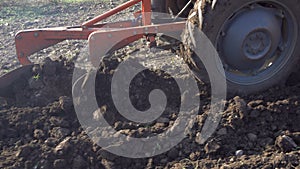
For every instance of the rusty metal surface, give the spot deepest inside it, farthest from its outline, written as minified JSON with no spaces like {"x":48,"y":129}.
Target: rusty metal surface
{"x":119,"y":38}
{"x":31,"y":41}
{"x":146,"y":12}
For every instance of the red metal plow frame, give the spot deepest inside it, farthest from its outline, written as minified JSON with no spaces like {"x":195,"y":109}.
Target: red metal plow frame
{"x":30,"y":41}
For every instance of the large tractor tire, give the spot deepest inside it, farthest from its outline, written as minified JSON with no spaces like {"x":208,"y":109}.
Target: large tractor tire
{"x":257,"y":40}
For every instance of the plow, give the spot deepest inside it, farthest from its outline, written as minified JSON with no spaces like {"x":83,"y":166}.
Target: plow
{"x":256,"y":40}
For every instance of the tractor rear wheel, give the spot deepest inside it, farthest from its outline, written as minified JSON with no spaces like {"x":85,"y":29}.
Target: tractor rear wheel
{"x":256,"y":40}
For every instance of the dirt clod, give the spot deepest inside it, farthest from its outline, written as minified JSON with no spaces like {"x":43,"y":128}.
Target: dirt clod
{"x":39,"y":134}
{"x":252,"y":137}
{"x":79,"y":163}
{"x":212,"y":147}
{"x":286,"y":143}
{"x":60,"y":164}
{"x":24,"y":151}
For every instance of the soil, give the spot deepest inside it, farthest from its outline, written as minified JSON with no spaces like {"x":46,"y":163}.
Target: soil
{"x":40,"y":129}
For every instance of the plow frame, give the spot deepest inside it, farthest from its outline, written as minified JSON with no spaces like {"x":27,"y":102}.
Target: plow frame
{"x":31,"y":41}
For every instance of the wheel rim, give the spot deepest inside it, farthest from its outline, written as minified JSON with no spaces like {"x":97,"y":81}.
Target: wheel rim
{"x":257,"y":41}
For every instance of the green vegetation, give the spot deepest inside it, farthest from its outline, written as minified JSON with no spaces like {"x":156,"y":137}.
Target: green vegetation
{"x":36,"y":77}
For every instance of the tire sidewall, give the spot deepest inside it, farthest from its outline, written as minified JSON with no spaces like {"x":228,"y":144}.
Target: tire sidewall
{"x":213,"y":21}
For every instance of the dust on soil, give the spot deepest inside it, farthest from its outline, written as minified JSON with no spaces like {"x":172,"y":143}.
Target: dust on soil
{"x":39,"y":127}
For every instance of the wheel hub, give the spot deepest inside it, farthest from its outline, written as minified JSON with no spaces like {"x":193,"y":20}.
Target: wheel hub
{"x":256,"y":45}
{"x":251,"y":37}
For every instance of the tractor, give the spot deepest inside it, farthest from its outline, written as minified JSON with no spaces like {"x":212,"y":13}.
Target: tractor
{"x":256,"y":39}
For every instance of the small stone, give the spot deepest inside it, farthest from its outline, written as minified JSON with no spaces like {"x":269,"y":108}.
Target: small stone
{"x":118,"y":125}
{"x":59,"y":132}
{"x":39,"y":134}
{"x":60,"y":164}
{"x":66,"y":103}
{"x":239,"y":153}
{"x":199,"y":139}
{"x":159,"y":125}
{"x":240,"y":104}
{"x":63,"y":146}
{"x":211,"y":147}
{"x":194,"y":155}
{"x":50,"y":141}
{"x":285,"y":143}
{"x":252,"y":137}
{"x":36,"y":69}
{"x":222,"y":131}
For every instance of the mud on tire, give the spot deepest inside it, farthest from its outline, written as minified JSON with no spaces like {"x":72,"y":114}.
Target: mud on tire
{"x":256,"y":40}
